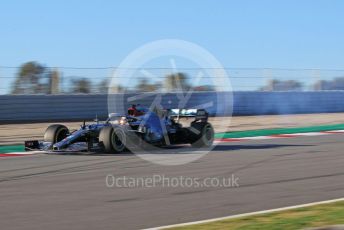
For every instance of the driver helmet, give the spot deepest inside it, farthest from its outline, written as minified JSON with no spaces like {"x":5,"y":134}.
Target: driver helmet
{"x":136,"y":110}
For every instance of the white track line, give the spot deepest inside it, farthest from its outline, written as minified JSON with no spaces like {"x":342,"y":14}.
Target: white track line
{"x":247,"y":214}
{"x":335,"y":131}
{"x":257,"y":138}
{"x":311,"y":134}
{"x":24,"y":153}
{"x":278,"y":136}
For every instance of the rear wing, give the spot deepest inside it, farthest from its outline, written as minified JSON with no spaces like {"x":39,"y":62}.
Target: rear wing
{"x":199,"y":114}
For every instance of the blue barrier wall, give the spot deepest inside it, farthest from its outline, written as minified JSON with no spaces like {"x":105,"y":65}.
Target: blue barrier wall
{"x":22,"y":108}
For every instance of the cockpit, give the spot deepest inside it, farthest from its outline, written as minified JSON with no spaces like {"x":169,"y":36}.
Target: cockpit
{"x":137,"y":110}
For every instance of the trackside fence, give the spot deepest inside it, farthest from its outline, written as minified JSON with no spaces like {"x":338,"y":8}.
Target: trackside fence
{"x":37,"y":108}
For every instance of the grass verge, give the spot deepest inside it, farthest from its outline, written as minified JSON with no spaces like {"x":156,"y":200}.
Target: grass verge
{"x":12,"y":148}
{"x":268,"y":132}
{"x":300,"y":218}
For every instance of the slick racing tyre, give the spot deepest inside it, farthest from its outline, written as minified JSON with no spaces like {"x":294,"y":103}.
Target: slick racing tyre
{"x":202,"y":134}
{"x":55,"y":133}
{"x":112,"y":139}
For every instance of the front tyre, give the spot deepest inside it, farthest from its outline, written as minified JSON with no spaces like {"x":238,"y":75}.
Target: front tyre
{"x":112,"y":139}
{"x":55,"y":133}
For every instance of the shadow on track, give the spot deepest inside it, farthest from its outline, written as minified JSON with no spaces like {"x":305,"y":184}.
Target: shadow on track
{"x":227,"y":147}
{"x":88,"y":154}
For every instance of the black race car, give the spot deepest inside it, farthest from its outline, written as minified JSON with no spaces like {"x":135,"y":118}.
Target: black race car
{"x":139,"y":128}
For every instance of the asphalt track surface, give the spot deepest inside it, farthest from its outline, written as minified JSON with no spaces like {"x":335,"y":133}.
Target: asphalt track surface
{"x":69,"y":191}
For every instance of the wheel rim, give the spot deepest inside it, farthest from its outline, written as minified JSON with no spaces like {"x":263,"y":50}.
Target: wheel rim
{"x":61,"y":134}
{"x":208,"y":135}
{"x":117,"y":140}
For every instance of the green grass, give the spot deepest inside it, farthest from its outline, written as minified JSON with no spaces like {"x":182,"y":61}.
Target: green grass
{"x":313,"y":216}
{"x":12,"y":148}
{"x":268,"y":132}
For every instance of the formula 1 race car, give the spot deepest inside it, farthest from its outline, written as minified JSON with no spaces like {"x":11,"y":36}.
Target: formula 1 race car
{"x":139,"y":127}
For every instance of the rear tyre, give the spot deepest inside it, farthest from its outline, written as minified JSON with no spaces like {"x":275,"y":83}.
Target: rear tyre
{"x":55,"y":133}
{"x":202,"y":135}
{"x":112,"y":139}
